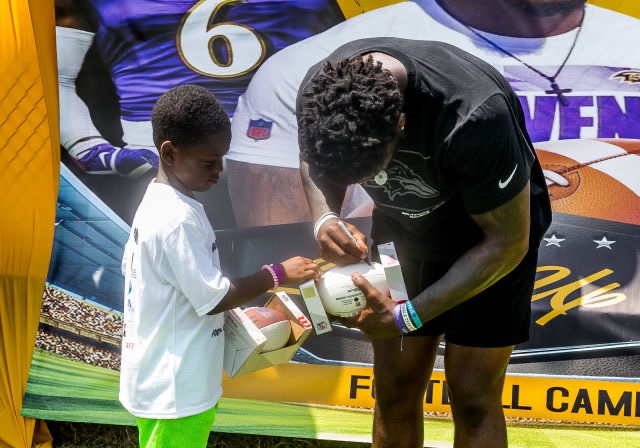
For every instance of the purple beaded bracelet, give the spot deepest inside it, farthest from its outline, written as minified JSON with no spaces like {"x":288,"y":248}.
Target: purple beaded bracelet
{"x":277,"y":268}
{"x":276,"y":283}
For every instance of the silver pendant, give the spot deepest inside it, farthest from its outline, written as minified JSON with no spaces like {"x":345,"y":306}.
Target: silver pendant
{"x":381,"y":178}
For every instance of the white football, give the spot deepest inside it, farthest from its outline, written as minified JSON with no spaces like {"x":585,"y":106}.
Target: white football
{"x":340,"y":297}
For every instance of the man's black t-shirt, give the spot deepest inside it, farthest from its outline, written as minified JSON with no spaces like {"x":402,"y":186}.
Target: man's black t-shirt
{"x":465,"y":150}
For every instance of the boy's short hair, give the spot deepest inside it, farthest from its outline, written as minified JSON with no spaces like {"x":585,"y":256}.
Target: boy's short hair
{"x":186,"y":115}
{"x":349,"y":116}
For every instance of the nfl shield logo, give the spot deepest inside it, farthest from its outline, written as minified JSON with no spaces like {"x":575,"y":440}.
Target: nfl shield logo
{"x":259,"y":129}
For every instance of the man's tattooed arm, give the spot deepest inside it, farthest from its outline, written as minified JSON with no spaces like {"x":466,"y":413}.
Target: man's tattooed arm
{"x":504,"y":245}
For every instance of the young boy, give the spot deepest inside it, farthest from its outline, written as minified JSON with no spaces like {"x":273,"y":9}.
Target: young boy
{"x":175,"y":294}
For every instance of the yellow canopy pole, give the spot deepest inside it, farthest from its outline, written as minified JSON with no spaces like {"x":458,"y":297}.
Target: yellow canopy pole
{"x":29,"y":176}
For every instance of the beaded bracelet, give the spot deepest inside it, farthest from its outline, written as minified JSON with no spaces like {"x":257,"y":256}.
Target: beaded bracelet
{"x":397,"y":315}
{"x":276,"y":284}
{"x":414,"y":316}
{"x":321,"y":220}
{"x":279,"y":270}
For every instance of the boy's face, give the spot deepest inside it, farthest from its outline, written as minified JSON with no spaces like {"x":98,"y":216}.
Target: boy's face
{"x":198,"y":166}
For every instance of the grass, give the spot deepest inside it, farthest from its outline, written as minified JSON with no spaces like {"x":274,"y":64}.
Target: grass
{"x":80,"y":404}
{"x":87,"y":435}
{"x":521,"y":434}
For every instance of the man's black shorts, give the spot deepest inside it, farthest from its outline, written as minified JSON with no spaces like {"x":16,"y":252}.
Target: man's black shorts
{"x":497,"y":317}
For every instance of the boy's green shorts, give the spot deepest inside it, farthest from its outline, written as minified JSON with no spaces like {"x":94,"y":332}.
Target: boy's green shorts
{"x":185,"y":432}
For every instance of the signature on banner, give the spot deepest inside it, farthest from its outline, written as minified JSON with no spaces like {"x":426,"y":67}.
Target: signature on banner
{"x":600,"y":297}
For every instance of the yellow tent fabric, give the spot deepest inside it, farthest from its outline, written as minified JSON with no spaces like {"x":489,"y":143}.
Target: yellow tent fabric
{"x":351,"y":8}
{"x":29,"y":176}
{"x":629,"y":7}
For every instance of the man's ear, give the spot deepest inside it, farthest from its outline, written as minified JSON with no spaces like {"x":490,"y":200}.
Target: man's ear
{"x":167,"y":152}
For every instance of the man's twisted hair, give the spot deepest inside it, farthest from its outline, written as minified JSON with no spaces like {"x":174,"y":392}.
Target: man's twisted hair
{"x":349,"y":116}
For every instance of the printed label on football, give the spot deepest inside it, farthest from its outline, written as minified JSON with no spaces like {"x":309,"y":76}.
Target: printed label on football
{"x":340,"y":297}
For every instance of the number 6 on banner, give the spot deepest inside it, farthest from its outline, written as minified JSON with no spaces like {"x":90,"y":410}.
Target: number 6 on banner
{"x":198,"y":33}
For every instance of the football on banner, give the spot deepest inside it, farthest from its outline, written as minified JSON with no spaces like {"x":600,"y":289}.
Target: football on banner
{"x":338,"y":294}
{"x":597,"y":178}
{"x":274,"y":325}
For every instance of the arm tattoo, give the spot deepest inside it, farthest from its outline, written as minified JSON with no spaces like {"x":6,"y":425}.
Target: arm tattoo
{"x":505,"y":242}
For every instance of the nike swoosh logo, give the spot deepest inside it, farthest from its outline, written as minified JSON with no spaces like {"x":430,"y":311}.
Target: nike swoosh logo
{"x":103,"y":158}
{"x":504,"y":183}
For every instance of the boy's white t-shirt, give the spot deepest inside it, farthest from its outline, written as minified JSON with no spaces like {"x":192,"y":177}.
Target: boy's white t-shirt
{"x":172,"y":351}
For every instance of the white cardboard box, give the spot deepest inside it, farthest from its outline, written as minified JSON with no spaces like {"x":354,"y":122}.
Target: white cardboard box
{"x":317,"y":314}
{"x":243,"y":340}
{"x":393,"y":272}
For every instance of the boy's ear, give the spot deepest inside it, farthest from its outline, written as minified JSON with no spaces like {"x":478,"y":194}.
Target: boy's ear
{"x":167,"y":152}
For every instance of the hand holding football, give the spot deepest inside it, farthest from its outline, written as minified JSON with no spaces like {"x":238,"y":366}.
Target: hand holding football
{"x":340,"y":297}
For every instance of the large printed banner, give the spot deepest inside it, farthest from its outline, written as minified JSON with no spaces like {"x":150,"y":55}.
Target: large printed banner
{"x":580,"y":90}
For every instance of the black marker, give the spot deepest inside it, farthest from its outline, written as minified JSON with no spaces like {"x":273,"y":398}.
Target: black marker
{"x":343,"y":227}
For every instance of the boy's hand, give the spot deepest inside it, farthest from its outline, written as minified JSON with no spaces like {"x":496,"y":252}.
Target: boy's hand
{"x":300,"y":269}
{"x":376,"y":319}
{"x":336,"y":247}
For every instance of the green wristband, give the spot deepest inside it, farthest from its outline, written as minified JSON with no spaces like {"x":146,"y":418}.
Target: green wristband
{"x":414,"y":316}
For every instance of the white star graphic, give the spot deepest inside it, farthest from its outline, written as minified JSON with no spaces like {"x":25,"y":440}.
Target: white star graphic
{"x":553,"y":241}
{"x":604,"y":242}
